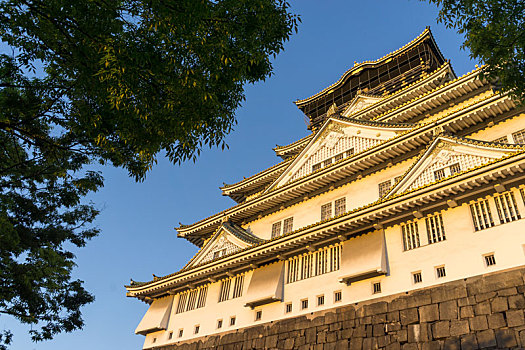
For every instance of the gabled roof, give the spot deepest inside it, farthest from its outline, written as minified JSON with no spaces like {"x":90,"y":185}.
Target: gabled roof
{"x":228,"y":236}
{"x":293,"y":148}
{"x":379,"y":131}
{"x":438,"y":153}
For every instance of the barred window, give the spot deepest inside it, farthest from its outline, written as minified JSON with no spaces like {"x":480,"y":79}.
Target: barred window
{"x":320,"y":300}
{"x":340,"y":206}
{"x":410,"y":233}
{"x":238,"y":286}
{"x":435,"y":228}
{"x":224,"y":293}
{"x":398,"y":178}
{"x":288,"y":225}
{"x":288,"y":308}
{"x":276,"y":229}
{"x":503,"y":139}
{"x":202,"y":297}
{"x":506,"y":207}
{"x":481,"y":215}
{"x":327,"y":162}
{"x":217,"y":254}
{"x":439,"y":174}
{"x":384,"y":187}
{"x":192,"y":299}
{"x":376,"y":288}
{"x":455,"y":168}
{"x":440,"y":272}
{"x":313,"y":264}
{"x":339,"y":157}
{"x":490,"y":259}
{"x":182,"y":302}
{"x":417,"y":277}
{"x":519,"y":136}
{"x":304,"y":304}
{"x":316,"y":167}
{"x":326,"y":211}
{"x":338,"y":296}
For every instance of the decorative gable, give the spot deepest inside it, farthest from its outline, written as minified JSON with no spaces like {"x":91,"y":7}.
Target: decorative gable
{"x":446,"y":157}
{"x":337,"y":139}
{"x":228,"y":239}
{"x":360,"y":102}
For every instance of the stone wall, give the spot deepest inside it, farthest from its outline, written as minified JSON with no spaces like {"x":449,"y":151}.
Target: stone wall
{"x":482,"y":312}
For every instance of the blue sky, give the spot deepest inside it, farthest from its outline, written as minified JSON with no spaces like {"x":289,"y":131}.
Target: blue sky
{"x":137,"y":219}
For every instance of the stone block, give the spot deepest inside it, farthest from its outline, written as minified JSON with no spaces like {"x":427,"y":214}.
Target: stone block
{"x":486,"y":339}
{"x":381,"y":318}
{"x":499,"y":304}
{"x":360,"y":331}
{"x":401,"y":335}
{"x":516,"y":302}
{"x":393,"y":346}
{"x":485,"y":296}
{"x":376,"y":308}
{"x":515,"y":318}
{"x":418,"y":299}
{"x":478,"y":323}
{"x":506,"y":338}
{"x":467,"y":301}
{"x":335,"y":326}
{"x":271,"y":341}
{"x":459,"y":327}
{"x":410,"y":346}
{"x":469,"y":342}
{"x":341,"y":344}
{"x":321,"y":337}
{"x":409,"y":316}
{"x":496,"y":320}
{"x":311,"y":335}
{"x":378,"y":330}
{"x":382,"y":341}
{"x":441,"y":329}
{"x":331,"y":337}
{"x":432,"y":345}
{"x":452,"y":344}
{"x":466,"y":311}
{"x":482,"y":308}
{"x":355,"y":344}
{"x":429,"y":313}
{"x":448,"y":310}
{"x":370,"y":343}
{"x":507,"y":292}
{"x":522,"y":338}
{"x":330,"y":317}
{"x":347,"y":333}
{"x":392,"y":316}
{"x":398,"y":304}
{"x":414,"y":333}
{"x":451,"y":291}
{"x":288,"y":344}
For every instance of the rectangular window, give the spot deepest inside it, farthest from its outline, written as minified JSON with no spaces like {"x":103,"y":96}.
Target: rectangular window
{"x":454,"y":169}
{"x":440,"y":272}
{"x":435,"y":229}
{"x":219,"y":323}
{"x":316,"y":167}
{"x":338,"y":296}
{"x":170,"y":335}
{"x":490,"y":260}
{"x":181,"y":306}
{"x":320,"y":300}
{"x":288,"y":308}
{"x":481,"y":215}
{"x":181,"y":332}
{"x":410,"y":233}
{"x":339,"y":157}
{"x":154,"y":340}
{"x":192,"y":299}
{"x":202,"y":297}
{"x":276,"y":229}
{"x":313,"y":264}
{"x":519,"y":136}
{"x":376,"y":288}
{"x":217,"y":254}
{"x":439,"y":174}
{"x":304,"y":304}
{"x":232,"y":321}
{"x":506,"y":207}
{"x":417,"y":277}
{"x":327,"y":162}
{"x":503,"y":139}
{"x":326,"y":211}
{"x":238,"y":286}
{"x":258,"y":315}
{"x":384,"y":187}
{"x":287,"y":225}
{"x":197,"y":329}
{"x":224,"y":293}
{"x":340,"y":206}
{"x":398,"y":178}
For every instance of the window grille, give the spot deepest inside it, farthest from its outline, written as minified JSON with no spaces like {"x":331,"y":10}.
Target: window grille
{"x":503,"y":139}
{"x":338,"y":296}
{"x":197,"y":328}
{"x":258,"y":315}
{"x":326,"y":211}
{"x":327,"y":162}
{"x":506,"y":207}
{"x":181,"y":332}
{"x":192,"y":299}
{"x":202,"y":297}
{"x":276,"y":229}
{"x":481,"y":215}
{"x":217,"y":254}
{"x":490,"y":260}
{"x":219,"y":323}
{"x":455,"y":168}
{"x":313,"y":264}
{"x":418,"y":278}
{"x":440,"y":272}
{"x":320,"y":300}
{"x":224,"y":293}
{"x":288,"y":308}
{"x":519,"y":136}
{"x":181,"y":306}
{"x":232,"y":321}
{"x":340,"y":206}
{"x":304,"y":304}
{"x":384,"y":187}
{"x":339,"y":157}
{"x":376,"y":287}
{"x":410,"y":233}
{"x":316,"y":167}
{"x":398,"y":178}
{"x":435,"y":229}
{"x":439,"y":174}
{"x":287,"y":225}
{"x":238,"y":286}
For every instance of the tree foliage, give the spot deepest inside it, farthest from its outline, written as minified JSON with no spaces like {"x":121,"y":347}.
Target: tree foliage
{"x":494,"y":33}
{"x":107,"y":81}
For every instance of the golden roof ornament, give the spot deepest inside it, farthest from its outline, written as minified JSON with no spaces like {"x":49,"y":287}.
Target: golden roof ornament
{"x":332,"y":110}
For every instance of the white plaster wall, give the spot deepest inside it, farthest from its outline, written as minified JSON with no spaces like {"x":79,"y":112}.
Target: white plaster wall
{"x":358,"y":193}
{"x":461,"y":253}
{"x":501,"y":129}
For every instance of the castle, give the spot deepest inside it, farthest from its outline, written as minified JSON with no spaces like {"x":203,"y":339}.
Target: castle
{"x":411,"y":177}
